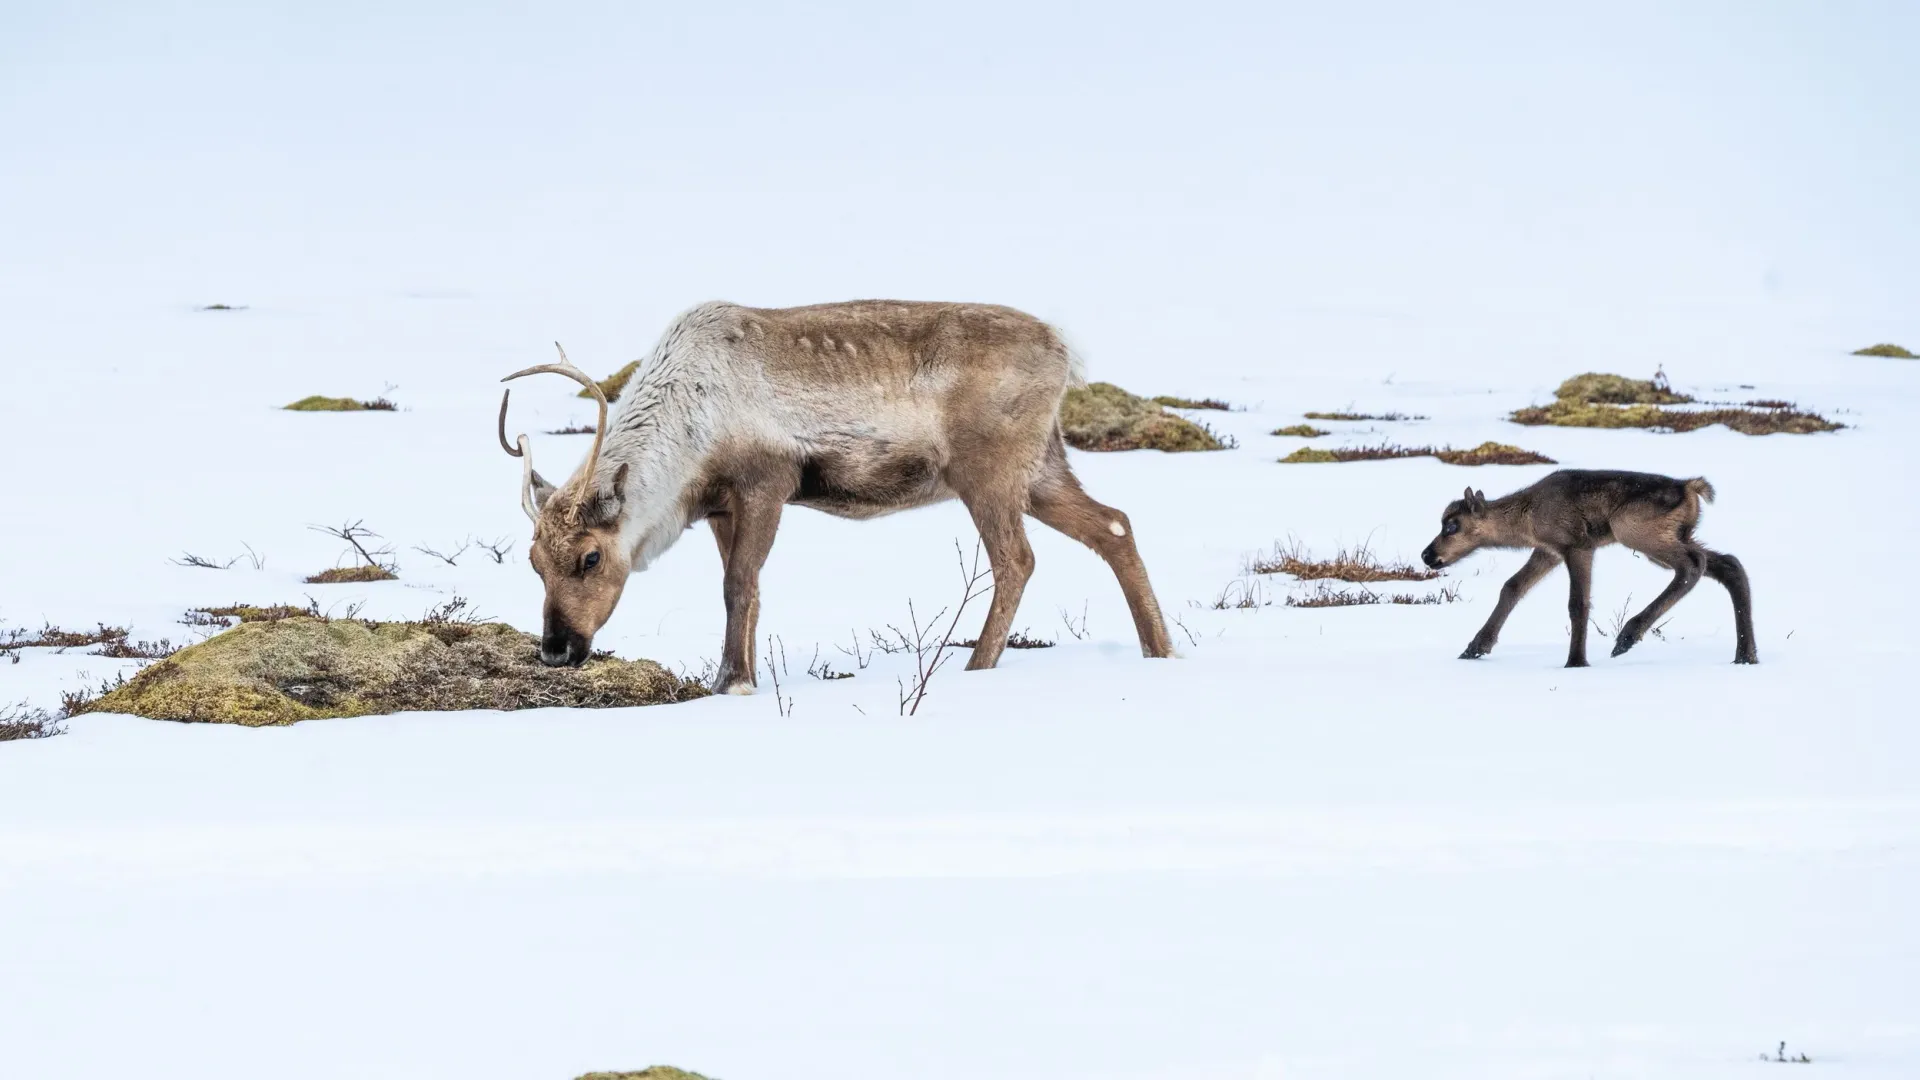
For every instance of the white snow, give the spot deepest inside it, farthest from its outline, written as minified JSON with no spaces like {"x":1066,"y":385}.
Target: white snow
{"x":1317,"y":845}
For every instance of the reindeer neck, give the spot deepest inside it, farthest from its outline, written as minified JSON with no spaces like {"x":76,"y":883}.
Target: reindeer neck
{"x":663,"y":433}
{"x":1512,"y":520}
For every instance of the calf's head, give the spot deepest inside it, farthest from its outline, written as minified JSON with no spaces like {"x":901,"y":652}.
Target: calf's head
{"x":1464,"y":528}
{"x":577,"y":549}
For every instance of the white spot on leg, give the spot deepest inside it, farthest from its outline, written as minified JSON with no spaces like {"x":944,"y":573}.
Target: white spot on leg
{"x":1116,"y":528}
{"x":743,"y":689}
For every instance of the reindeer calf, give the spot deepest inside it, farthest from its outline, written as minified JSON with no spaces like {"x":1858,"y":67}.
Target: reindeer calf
{"x":1569,"y":514}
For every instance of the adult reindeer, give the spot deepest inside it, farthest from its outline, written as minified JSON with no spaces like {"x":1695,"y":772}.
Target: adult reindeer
{"x":858,"y":409}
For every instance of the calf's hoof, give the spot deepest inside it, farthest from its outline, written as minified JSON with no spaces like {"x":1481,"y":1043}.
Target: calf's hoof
{"x":1746,"y":658}
{"x":1577,"y":663}
{"x":1475,"y":651}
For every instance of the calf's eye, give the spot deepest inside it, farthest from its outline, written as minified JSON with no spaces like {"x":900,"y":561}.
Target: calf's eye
{"x":592,"y":560}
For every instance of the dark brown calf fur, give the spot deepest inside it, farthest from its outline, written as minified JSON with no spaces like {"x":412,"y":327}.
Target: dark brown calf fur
{"x":1569,"y":514}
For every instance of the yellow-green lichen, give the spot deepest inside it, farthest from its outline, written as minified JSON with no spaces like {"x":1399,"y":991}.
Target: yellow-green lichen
{"x":1104,"y":417}
{"x":282,"y":671}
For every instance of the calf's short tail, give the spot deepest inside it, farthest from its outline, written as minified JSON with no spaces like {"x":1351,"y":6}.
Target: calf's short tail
{"x":1699,"y":488}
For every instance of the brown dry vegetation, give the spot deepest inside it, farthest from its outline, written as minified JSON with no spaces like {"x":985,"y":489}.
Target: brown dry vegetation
{"x":1104,"y":417}
{"x":1759,"y":421}
{"x":20,"y":722}
{"x":1300,"y":431}
{"x":655,"y":1072}
{"x":1886,"y":348}
{"x":1357,"y":564}
{"x":1326,"y":596}
{"x":1019,"y":639}
{"x":1389,"y":417}
{"x":1487,"y":453}
{"x":52,"y":637}
{"x":574,"y":429}
{"x":346,"y":574}
{"x":279,"y":669}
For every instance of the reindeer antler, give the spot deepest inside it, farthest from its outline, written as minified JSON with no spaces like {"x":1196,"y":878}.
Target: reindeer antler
{"x":565,"y":367}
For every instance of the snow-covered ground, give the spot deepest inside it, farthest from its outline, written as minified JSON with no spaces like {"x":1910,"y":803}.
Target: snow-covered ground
{"x":1317,"y":845}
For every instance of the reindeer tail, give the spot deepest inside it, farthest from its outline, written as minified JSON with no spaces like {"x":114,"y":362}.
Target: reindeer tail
{"x":1699,"y":488}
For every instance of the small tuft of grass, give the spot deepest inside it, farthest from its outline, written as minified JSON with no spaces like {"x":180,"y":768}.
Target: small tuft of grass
{"x":1019,"y":639}
{"x":1357,"y":564}
{"x":1388,"y":417}
{"x":1308,"y":455}
{"x":1300,"y":431}
{"x":239,"y":613}
{"x":1103,"y":417}
{"x":1327,"y":596}
{"x":574,"y":429}
{"x":1172,"y":402}
{"x":21,"y":722}
{"x":341,"y":575}
{"x":1886,"y":348}
{"x":123,"y":649}
{"x":322,"y":403}
{"x":50,"y":636}
{"x":613,"y":384}
{"x":1493,"y":453}
{"x":1768,"y":403}
{"x":222,"y":307}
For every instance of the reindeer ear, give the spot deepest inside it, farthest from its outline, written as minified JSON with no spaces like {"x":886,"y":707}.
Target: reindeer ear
{"x":619,"y":492}
{"x":542,"y":491}
{"x":1476,"y":502}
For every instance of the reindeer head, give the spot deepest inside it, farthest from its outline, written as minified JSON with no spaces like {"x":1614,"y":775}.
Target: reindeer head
{"x":577,"y":550}
{"x":1464,"y":528}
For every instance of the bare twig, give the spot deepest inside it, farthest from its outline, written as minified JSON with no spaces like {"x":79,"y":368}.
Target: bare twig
{"x":188,"y":558}
{"x":780,"y":701}
{"x":823,"y":670}
{"x":859,"y":659}
{"x":1078,"y":630}
{"x":353,"y":533}
{"x":446,"y":557}
{"x":496,"y":548}
{"x":930,"y":653}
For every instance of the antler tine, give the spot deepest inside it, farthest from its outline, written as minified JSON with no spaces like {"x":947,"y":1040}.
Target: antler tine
{"x":565,"y":367}
{"x":503,"y":426}
{"x":527,"y":502}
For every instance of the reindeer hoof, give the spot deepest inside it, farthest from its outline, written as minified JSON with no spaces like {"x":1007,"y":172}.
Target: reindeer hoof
{"x":1624,"y":644}
{"x":1749,"y":658}
{"x":1577,"y":663}
{"x":1474,"y":652}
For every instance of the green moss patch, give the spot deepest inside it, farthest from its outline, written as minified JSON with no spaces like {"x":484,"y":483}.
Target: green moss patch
{"x":322,"y":403}
{"x":341,"y":575}
{"x":1493,"y":453}
{"x":303,"y":667}
{"x":1172,"y":402}
{"x":1104,"y":417}
{"x":1885,"y":349}
{"x":1300,"y":431}
{"x":614,"y":383}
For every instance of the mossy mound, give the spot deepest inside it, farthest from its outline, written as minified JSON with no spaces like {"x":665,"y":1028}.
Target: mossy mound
{"x":1308,"y":455}
{"x":1886,"y":349}
{"x":1493,"y":453}
{"x":614,"y":383}
{"x":656,"y":1072}
{"x":322,"y":403}
{"x":267,"y":673}
{"x":1300,"y":431}
{"x":1595,"y":388}
{"x":1104,"y":417}
{"x":344,"y":574}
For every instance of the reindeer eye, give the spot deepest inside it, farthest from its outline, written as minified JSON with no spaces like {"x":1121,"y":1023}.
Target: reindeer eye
{"x":1450,"y":528}
{"x":592,"y":560}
